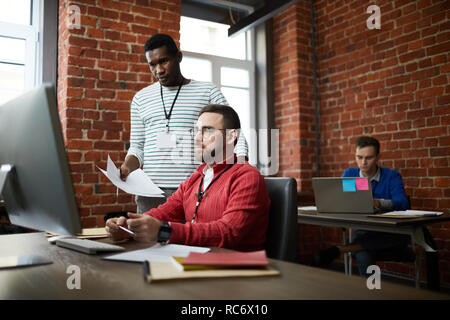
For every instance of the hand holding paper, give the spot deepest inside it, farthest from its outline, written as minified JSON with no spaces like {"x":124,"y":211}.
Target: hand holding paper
{"x":137,"y":182}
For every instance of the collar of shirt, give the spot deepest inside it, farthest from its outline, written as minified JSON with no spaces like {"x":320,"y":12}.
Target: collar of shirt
{"x":376,"y":177}
{"x":218,"y":167}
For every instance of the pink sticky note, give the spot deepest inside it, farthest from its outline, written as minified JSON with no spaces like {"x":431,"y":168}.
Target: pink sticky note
{"x":362,"y":184}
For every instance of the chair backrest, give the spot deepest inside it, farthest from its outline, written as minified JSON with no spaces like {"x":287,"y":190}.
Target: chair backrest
{"x":282,"y":234}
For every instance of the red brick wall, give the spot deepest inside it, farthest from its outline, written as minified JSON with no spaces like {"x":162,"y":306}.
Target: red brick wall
{"x":101,"y":65}
{"x":391,"y":83}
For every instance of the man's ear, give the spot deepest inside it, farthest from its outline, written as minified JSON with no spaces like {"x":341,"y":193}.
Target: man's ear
{"x":232,"y":135}
{"x":179,"y":56}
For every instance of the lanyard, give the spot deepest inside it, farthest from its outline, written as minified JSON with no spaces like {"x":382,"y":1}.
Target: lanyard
{"x":171,"y":108}
{"x":200,"y":193}
{"x":376,"y":184}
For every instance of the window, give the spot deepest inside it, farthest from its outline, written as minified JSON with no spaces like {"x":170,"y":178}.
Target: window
{"x":19,"y":26}
{"x":209,"y":55}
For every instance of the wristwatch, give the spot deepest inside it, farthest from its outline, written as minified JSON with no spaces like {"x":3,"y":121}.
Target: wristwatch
{"x":164,"y":232}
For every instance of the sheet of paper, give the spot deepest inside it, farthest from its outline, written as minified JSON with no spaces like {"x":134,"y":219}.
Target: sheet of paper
{"x":307,"y":208}
{"x":158,"y":252}
{"x":349,"y":185}
{"x":412,"y":213}
{"x":137,"y":182}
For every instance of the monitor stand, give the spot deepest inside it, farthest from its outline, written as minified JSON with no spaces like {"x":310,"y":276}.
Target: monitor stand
{"x":5,"y":169}
{"x":17,"y":260}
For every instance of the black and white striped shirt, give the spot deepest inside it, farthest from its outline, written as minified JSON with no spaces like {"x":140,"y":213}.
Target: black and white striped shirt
{"x":169,"y":167}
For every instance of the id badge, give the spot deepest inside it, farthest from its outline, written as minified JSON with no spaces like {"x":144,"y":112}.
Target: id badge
{"x":166,"y":140}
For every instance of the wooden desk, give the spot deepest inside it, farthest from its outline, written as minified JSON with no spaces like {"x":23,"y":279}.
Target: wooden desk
{"x":411,"y":227}
{"x":101,"y":279}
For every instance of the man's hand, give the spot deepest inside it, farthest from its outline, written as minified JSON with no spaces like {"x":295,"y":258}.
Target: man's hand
{"x":131,"y":163}
{"x":145,"y":227}
{"x":376,"y":203}
{"x":124,"y":171}
{"x":113,"y":230}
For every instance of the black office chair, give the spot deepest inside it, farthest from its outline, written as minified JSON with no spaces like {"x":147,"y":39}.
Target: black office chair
{"x":282,"y":234}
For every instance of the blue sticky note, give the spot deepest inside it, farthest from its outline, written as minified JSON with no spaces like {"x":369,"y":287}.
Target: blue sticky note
{"x":348,"y":185}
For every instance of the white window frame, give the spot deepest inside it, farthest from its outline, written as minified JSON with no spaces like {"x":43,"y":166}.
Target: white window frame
{"x":29,"y":33}
{"x":217,"y":62}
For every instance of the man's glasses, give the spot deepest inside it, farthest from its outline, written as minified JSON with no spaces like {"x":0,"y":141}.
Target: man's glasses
{"x":205,"y":131}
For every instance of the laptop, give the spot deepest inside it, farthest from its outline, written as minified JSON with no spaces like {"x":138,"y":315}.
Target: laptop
{"x":343,"y":195}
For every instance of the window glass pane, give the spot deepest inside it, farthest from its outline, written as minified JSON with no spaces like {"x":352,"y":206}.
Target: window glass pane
{"x":12,"y":81}
{"x":15,"y":11}
{"x":13,"y":50}
{"x":211,"y":38}
{"x":198,"y":69}
{"x":234,"y":77}
{"x":239,"y":100}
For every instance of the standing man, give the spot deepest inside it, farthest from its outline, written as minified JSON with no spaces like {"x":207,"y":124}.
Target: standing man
{"x":222,"y":204}
{"x":388,"y":194}
{"x":162,"y":116}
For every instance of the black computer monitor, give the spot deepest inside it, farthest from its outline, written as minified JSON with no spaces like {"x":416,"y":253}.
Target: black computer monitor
{"x":35,"y":179}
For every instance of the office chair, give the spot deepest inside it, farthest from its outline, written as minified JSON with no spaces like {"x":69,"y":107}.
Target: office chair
{"x":282,"y":233}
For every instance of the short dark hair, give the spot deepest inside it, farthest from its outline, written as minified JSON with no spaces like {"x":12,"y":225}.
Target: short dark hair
{"x":159,"y":40}
{"x":230,"y":117}
{"x":365,"y":141}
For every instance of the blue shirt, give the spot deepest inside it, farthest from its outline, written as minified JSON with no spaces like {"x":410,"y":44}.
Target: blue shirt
{"x":389,"y":186}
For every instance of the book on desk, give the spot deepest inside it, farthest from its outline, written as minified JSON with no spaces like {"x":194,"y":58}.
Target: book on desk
{"x":210,"y":265}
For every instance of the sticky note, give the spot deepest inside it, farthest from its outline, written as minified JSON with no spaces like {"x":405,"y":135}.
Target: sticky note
{"x":362,"y":184}
{"x":348,"y":185}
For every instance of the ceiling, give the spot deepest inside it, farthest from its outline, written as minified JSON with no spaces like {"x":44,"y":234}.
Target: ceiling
{"x":222,"y":11}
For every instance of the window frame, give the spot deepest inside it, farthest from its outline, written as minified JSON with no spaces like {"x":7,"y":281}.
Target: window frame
{"x":29,"y":33}
{"x":217,"y":62}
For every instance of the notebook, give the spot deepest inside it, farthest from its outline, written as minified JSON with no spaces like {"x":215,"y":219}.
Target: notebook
{"x":227,"y":259}
{"x":343,"y":195}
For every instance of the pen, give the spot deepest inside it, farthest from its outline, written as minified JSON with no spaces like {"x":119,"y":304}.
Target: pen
{"x":126,"y":230}
{"x":147,"y":276}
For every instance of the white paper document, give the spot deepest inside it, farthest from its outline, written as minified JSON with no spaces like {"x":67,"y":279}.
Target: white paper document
{"x":308,"y":208}
{"x":158,"y":252}
{"x":412,"y":213}
{"x":137,"y":182}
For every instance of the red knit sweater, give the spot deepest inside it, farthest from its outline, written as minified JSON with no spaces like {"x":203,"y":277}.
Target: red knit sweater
{"x":234,"y":212}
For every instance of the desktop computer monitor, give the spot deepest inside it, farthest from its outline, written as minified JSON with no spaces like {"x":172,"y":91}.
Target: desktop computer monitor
{"x":35,"y":179}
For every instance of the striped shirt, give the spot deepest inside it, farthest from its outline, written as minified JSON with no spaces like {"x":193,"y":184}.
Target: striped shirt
{"x":170,"y":166}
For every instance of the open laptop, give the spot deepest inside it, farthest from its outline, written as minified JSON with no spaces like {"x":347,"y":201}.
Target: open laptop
{"x":343,"y":195}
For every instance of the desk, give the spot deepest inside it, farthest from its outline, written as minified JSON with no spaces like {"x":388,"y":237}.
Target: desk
{"x":101,"y":279}
{"x":412,"y":227}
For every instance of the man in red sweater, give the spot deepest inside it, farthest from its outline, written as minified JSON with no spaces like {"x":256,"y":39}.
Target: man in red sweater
{"x":223,"y":203}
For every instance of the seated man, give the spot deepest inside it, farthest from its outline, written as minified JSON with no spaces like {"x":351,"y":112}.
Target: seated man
{"x":223,"y":203}
{"x":388,"y":194}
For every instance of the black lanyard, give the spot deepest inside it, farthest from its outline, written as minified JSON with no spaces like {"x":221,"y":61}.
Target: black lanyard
{"x":200,"y":193}
{"x":376,"y":184}
{"x":171,"y":108}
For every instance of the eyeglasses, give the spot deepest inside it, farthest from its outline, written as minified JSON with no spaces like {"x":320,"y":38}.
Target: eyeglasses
{"x":206,"y":131}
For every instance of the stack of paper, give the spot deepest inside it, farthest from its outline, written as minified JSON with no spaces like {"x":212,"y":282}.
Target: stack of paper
{"x":137,"y":182}
{"x":409,"y":214}
{"x":157,"y":252}
{"x":211,"y":265}
{"x":89,"y":233}
{"x":307,"y":208}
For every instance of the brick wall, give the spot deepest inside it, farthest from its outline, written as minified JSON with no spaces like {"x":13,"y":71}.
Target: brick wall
{"x":101,"y":65}
{"x":391,"y":83}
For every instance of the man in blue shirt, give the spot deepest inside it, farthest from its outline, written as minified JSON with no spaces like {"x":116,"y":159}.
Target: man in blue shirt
{"x":388,"y":194}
